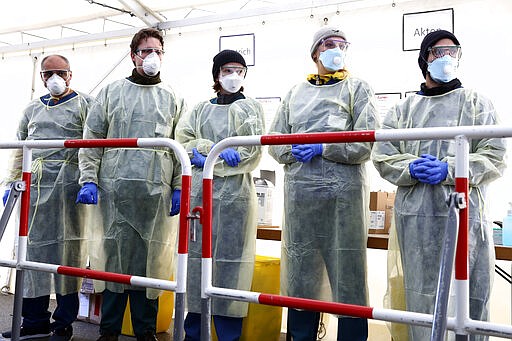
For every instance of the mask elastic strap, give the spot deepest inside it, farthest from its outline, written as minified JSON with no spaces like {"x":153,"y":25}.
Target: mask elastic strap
{"x":56,"y":98}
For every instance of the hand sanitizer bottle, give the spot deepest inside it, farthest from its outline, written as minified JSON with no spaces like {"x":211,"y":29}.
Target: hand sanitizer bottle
{"x":507,"y":227}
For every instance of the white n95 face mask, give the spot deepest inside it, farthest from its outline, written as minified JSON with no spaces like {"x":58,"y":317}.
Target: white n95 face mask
{"x":231,"y":83}
{"x":444,"y":69}
{"x":56,"y":85}
{"x":332,"y":59}
{"x":151,"y":64}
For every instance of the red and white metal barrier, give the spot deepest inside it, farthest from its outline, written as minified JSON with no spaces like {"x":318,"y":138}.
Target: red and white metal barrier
{"x":21,"y":264}
{"x":461,"y":323}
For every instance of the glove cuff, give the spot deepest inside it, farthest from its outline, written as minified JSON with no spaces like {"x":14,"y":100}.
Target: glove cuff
{"x":411,"y":171}
{"x":319,"y":149}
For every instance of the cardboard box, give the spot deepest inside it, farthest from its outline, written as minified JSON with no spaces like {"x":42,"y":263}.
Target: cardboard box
{"x":264,"y":192}
{"x":381,"y":211}
{"x":390,"y":204}
{"x":89,"y":308}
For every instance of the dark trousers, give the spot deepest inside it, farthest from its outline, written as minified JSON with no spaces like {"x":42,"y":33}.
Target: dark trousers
{"x":143,"y":312}
{"x":303,"y":326}
{"x":36,"y":315}
{"x":227,"y":328}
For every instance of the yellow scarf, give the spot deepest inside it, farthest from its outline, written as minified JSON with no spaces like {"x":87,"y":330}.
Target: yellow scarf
{"x":323,"y":79}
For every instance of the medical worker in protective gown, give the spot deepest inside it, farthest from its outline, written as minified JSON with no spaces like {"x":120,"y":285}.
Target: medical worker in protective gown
{"x":326,"y":205}
{"x":56,"y":223}
{"x":424,"y":174}
{"x":231,"y":113}
{"x":135,"y":188}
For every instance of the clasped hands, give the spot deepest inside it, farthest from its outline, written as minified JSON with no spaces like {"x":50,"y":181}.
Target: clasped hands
{"x":428,"y":169}
{"x":305,"y":152}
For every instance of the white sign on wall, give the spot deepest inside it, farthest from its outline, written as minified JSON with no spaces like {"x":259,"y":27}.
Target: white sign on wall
{"x":385,"y":101}
{"x":242,"y":43}
{"x":270,"y":105}
{"x":417,"y":25}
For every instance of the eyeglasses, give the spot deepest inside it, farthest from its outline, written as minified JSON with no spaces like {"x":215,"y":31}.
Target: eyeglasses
{"x":442,"y":50}
{"x":46,"y":74}
{"x":333,"y":43}
{"x":146,"y":51}
{"x":227,"y":70}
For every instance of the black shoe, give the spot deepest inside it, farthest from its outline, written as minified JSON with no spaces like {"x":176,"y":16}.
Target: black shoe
{"x":63,"y":334}
{"x":108,"y":337}
{"x":27,"y":333}
{"x":148,"y":336}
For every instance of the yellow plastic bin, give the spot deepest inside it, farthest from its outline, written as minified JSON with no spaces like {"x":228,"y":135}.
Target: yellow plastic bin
{"x":163,"y":318}
{"x":263,"y":322}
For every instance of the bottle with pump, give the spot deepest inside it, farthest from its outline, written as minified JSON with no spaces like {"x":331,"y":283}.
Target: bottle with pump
{"x":507,"y":227}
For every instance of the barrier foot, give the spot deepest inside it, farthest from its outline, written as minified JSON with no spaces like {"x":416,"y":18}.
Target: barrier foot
{"x":179,"y":317}
{"x":206,"y":319}
{"x":18,"y":304}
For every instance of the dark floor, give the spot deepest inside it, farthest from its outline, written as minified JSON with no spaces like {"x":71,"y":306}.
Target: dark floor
{"x":82,"y":331}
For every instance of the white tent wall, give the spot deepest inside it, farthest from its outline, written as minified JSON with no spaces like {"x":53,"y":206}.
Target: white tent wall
{"x":17,"y":80}
{"x":282,"y":43}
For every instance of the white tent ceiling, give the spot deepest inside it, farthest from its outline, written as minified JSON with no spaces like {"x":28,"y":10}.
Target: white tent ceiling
{"x":38,"y":23}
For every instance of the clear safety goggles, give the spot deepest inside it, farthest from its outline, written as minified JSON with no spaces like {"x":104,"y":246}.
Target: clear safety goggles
{"x":227,"y":70}
{"x":64,"y":74}
{"x":143,"y":53}
{"x":331,"y":43}
{"x":443,"y":50}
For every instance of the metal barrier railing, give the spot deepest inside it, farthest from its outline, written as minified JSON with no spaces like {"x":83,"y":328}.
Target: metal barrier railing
{"x":461,"y":323}
{"x":21,"y":264}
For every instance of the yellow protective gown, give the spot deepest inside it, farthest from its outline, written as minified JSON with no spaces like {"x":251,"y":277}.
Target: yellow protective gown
{"x":234,"y":200}
{"x":132,"y":231}
{"x":56,"y":224}
{"x":326,"y":202}
{"x":420,"y":209}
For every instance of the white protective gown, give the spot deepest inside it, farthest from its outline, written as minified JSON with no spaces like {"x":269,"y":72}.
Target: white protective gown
{"x":326,"y":201}
{"x":56,"y":224}
{"x":132,"y":231}
{"x":420,"y":209}
{"x":234,"y":200}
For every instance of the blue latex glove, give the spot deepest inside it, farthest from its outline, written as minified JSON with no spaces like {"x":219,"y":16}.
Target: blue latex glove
{"x":429,"y":169}
{"x":437,"y":172}
{"x":175,"y":202}
{"x":231,"y":157}
{"x":88,"y":194}
{"x":198,"y":159}
{"x":6,"y":195}
{"x":415,"y":169}
{"x":305,"y":152}
{"x":428,"y":157}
